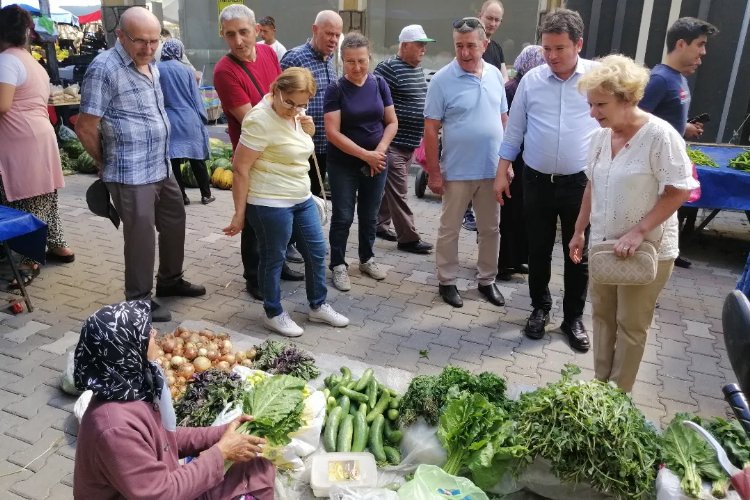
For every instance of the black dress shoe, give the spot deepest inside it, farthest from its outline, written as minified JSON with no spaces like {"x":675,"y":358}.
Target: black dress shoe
{"x":293,"y":255}
{"x":492,"y":294}
{"x":180,"y":289}
{"x":419,"y":246}
{"x":577,"y":336}
{"x":535,"y":324}
{"x":159,"y":313}
{"x":682,"y":262}
{"x":253,"y":289}
{"x":450,"y":295}
{"x":289,"y":274}
{"x":505,"y":274}
{"x":207,"y":199}
{"x":185,"y":200}
{"x":522,"y":269}
{"x":386,"y":234}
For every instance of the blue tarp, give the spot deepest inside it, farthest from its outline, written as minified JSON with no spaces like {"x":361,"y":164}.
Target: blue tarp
{"x":722,"y":187}
{"x":24,"y":233}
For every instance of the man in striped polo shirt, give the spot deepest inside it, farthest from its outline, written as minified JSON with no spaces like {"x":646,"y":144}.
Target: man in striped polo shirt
{"x":406,"y":80}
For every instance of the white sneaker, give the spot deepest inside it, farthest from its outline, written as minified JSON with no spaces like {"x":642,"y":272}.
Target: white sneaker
{"x":372,"y":269}
{"x":341,"y":278}
{"x":326,"y":314}
{"x":284,"y":325}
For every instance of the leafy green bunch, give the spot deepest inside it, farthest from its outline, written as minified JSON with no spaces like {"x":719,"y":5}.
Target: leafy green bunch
{"x":206,"y":395}
{"x":276,"y":405}
{"x":479,"y":437}
{"x":590,"y":431}
{"x":428,"y":394}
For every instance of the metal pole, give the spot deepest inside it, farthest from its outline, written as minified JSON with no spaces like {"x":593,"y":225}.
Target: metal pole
{"x":596,"y":14}
{"x":49,"y":47}
{"x":735,"y":70}
{"x":622,"y":6}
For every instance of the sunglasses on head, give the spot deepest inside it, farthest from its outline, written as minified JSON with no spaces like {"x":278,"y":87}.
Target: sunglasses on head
{"x":471,"y":22}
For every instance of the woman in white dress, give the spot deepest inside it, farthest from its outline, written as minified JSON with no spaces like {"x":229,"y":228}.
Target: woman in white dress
{"x":639,"y":175}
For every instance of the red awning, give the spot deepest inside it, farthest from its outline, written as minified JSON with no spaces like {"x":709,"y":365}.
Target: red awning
{"x":91,"y":17}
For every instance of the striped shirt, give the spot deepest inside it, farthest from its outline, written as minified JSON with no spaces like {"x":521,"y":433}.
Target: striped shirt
{"x":134,"y":123}
{"x":304,"y":56}
{"x":408,"y":89}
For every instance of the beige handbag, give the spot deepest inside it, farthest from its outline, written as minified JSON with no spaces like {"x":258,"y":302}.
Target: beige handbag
{"x":320,"y":203}
{"x":606,"y":268}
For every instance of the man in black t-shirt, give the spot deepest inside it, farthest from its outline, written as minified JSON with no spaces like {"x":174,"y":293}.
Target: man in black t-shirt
{"x":491,"y":16}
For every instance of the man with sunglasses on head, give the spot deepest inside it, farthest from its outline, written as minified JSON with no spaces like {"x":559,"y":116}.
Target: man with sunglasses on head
{"x":550,"y":117}
{"x":242,"y":78}
{"x":405,"y":77}
{"x":124,"y":127}
{"x":466,"y":99}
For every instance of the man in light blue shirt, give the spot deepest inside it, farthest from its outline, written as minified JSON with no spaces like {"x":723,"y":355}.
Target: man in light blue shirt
{"x":550,"y":117}
{"x":467,"y":100}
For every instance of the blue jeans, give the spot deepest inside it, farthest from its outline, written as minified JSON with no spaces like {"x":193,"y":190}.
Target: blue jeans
{"x":349,"y":187}
{"x":274,"y":226}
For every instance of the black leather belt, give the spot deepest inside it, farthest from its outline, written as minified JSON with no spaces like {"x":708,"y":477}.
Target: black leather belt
{"x":554,"y":178}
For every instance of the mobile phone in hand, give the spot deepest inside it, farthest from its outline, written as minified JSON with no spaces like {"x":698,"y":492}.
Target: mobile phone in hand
{"x":701,"y":118}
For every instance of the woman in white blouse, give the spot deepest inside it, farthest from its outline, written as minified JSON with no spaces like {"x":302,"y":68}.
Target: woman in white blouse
{"x":639,"y":175}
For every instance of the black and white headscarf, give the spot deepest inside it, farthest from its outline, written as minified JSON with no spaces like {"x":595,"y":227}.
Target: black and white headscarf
{"x":110,"y":358}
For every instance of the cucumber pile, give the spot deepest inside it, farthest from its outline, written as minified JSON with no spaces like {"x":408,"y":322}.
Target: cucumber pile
{"x":362,"y":415}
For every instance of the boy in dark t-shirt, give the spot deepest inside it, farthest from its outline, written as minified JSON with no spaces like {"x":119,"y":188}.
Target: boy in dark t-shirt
{"x":667,"y":94}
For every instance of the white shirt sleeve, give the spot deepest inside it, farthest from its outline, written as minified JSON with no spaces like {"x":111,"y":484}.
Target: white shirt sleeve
{"x":12,"y":70}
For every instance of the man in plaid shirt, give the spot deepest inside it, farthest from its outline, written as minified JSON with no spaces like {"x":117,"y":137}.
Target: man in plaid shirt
{"x":124,"y":127}
{"x":317,"y":56}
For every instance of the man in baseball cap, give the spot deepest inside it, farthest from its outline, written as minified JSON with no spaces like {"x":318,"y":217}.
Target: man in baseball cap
{"x":414,"y":33}
{"x":404,"y":75}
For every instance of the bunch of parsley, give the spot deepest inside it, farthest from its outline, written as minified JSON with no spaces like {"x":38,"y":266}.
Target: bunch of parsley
{"x":590,"y":432}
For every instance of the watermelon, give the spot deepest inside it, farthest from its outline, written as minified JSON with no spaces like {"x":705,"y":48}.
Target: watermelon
{"x":188,"y":178}
{"x":73,"y":148}
{"x":85,"y":164}
{"x":223,"y":163}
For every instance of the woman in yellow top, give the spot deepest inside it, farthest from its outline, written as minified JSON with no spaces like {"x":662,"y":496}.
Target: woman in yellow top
{"x":272,"y":189}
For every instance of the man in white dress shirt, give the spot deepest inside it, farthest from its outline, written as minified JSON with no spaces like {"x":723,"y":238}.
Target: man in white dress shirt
{"x":551,"y":118}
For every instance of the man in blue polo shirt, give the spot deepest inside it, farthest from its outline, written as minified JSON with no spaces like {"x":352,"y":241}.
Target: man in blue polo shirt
{"x":667,"y":94}
{"x":467,"y":100}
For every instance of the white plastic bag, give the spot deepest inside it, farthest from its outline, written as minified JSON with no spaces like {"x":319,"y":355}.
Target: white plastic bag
{"x":420,"y":445}
{"x":348,"y":493}
{"x":83,"y":402}
{"x":67,"y":384}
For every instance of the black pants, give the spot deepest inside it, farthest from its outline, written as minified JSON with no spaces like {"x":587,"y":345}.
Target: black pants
{"x":250,"y":253}
{"x":315,"y":186}
{"x":546,"y":199}
{"x":199,"y":170}
{"x":514,"y":243}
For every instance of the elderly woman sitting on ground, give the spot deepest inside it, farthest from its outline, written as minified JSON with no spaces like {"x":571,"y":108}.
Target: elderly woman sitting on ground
{"x":129,"y":443}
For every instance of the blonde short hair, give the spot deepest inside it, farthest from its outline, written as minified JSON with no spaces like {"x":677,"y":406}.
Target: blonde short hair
{"x":619,"y":76}
{"x":295,"y":79}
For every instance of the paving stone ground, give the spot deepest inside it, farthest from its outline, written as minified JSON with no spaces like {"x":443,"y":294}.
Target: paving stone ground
{"x":399,"y":322}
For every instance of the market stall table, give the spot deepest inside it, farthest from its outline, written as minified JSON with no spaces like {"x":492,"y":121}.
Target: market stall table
{"x":22,"y":232}
{"x":722,"y":188}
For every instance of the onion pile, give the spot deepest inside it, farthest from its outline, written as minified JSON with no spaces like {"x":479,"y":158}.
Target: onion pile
{"x":185,"y":352}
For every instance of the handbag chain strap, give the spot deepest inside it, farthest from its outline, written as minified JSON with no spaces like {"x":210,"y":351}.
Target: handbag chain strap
{"x":320,"y":178}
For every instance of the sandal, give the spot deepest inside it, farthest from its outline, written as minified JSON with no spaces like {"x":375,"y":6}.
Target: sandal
{"x":27,"y":275}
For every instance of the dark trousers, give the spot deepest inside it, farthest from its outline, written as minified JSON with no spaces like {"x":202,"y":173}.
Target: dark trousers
{"x":315,"y":186}
{"x":514,"y":243}
{"x":546,"y":199}
{"x":143,"y":208}
{"x":250,"y":253}
{"x":199,"y":170}
{"x":350,"y":188}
